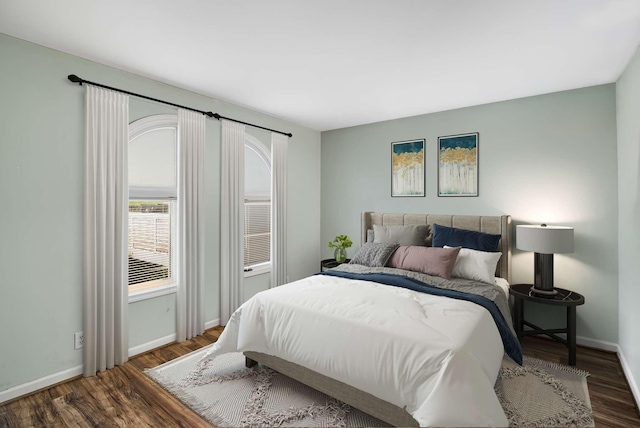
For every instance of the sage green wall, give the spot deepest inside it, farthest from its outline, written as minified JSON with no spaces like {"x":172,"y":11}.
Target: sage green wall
{"x":549,"y":158}
{"x":41,"y":182}
{"x":628,"y":115}
{"x":255,"y":284}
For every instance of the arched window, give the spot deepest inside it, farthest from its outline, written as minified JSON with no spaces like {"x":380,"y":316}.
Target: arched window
{"x":153,"y":193}
{"x":257,"y":207}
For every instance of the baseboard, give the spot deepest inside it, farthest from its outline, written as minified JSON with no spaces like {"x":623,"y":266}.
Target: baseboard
{"x":629,"y":375}
{"x":595,"y":343}
{"x":141,"y":349}
{"x":52,"y":379}
{"x":592,"y":343}
{"x":43,"y":382}
{"x":161,"y":341}
{"x":212,"y":323}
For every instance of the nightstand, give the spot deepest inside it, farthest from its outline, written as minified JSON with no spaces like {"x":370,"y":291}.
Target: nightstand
{"x":566,"y":298}
{"x":330,"y":263}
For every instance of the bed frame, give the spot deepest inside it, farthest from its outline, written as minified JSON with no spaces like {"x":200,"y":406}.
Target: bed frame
{"x":361,"y":400}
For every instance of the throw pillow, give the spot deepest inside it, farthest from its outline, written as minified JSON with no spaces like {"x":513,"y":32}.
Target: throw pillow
{"x":374,"y":254}
{"x":453,"y":237}
{"x":476,"y":265}
{"x":429,"y":260}
{"x":403,"y":235}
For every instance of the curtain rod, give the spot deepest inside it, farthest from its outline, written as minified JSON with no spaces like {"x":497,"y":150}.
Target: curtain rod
{"x":80,"y":81}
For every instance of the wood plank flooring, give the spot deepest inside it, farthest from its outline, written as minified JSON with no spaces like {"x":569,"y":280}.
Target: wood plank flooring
{"x":122,"y":397}
{"x":611,"y":398}
{"x":125,"y":397}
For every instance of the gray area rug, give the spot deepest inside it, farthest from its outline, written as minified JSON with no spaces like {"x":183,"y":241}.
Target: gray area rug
{"x":539,"y":394}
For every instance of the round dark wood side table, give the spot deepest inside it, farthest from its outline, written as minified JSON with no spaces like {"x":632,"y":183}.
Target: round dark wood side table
{"x":567,"y":298}
{"x":330,"y":263}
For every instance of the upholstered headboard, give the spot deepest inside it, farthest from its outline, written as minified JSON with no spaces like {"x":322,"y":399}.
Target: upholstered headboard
{"x":499,"y":225}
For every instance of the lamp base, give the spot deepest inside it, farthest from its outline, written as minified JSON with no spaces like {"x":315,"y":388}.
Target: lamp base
{"x":544,"y":293}
{"x":543,"y":275}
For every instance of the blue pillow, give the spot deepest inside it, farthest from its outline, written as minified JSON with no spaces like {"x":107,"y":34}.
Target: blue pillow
{"x":452,"y":237}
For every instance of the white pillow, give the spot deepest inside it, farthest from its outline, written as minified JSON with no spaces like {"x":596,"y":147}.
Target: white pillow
{"x":476,"y":265}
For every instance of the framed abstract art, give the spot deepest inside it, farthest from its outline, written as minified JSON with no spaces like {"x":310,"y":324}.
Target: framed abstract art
{"x":407,"y":168}
{"x":458,"y":165}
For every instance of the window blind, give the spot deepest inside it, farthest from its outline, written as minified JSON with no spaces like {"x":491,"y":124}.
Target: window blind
{"x":257,"y":232}
{"x":150,"y":249}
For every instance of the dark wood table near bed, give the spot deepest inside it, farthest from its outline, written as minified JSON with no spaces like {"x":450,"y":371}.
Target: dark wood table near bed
{"x":330,"y":263}
{"x":567,"y":298}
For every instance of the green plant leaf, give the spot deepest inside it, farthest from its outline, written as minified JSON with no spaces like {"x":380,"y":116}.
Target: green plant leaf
{"x":341,"y":241}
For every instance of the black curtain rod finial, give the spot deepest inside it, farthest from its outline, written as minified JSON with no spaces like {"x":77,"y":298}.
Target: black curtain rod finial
{"x":75,"y":79}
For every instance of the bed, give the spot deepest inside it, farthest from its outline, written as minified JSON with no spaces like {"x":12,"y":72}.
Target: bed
{"x":403,"y":356}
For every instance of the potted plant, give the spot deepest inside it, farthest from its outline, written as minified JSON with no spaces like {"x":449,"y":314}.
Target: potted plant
{"x":340,"y":243}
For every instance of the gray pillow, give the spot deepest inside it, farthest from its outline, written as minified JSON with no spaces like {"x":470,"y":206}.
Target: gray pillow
{"x":370,"y":235}
{"x":415,"y":235}
{"x":374,"y":254}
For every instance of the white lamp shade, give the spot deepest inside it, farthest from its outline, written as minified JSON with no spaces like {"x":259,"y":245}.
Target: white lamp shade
{"x":544,"y":239}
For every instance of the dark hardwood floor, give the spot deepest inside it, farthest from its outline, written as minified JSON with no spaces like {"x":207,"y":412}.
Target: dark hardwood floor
{"x":611,"y":398}
{"x":125,"y":397}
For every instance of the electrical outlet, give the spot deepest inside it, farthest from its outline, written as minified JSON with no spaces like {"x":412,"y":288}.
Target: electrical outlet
{"x":78,"y":340}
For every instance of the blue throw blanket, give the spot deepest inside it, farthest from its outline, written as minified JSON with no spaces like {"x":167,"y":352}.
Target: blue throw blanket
{"x":510,"y":342}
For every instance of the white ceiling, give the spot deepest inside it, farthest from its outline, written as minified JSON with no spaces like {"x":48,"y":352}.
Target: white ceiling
{"x":330,"y":64}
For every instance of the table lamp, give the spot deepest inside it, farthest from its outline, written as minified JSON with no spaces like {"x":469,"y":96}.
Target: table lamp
{"x":544,"y":241}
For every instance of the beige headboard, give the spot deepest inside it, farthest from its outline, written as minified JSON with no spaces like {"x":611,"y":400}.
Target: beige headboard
{"x":498,"y":225}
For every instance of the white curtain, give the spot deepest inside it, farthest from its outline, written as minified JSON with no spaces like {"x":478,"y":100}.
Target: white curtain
{"x":190,"y":300}
{"x":105,"y":296}
{"x":232,"y":220}
{"x":278,"y":209}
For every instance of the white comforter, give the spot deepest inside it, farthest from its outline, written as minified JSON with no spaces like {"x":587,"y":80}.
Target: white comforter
{"x":436,"y":356}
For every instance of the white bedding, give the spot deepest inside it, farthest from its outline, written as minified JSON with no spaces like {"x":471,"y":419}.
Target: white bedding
{"x":436,"y":356}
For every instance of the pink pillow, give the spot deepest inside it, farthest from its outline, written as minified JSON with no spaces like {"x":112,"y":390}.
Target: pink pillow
{"x":429,"y":260}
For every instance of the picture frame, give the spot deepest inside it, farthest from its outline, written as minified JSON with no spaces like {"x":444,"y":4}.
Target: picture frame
{"x":458,"y":165}
{"x":407,"y":168}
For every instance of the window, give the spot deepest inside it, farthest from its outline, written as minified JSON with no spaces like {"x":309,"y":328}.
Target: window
{"x":257,"y":232}
{"x":152,"y":206}
{"x":257,"y":207}
{"x":150,"y":244}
